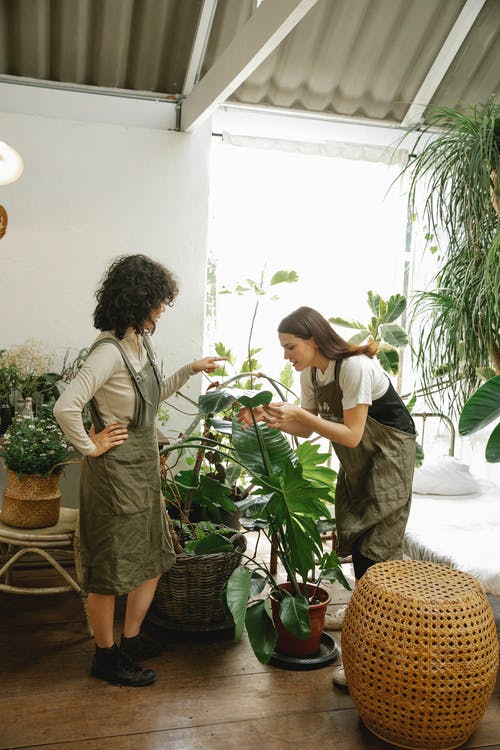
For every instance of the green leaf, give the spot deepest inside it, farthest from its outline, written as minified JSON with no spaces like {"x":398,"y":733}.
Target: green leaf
{"x":237,"y":594}
{"x":482,"y":407}
{"x":358,"y":338}
{"x":294,"y":614}
{"x":276,"y":447}
{"x":346,"y":323}
{"x":493,"y":446}
{"x":281,"y":277}
{"x":393,"y":334}
{"x":374,"y":301}
{"x":389,"y":359}
{"x":396,"y":306}
{"x":253,"y":399}
{"x":211,"y":544}
{"x":261,"y":631}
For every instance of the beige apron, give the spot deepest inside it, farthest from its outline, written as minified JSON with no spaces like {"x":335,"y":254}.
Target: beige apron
{"x":373,"y":493}
{"x":123,"y":525}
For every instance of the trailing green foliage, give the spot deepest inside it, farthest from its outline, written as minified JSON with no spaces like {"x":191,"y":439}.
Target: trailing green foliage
{"x":456,"y":163}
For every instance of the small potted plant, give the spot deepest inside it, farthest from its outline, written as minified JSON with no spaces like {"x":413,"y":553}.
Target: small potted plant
{"x":34,"y":454}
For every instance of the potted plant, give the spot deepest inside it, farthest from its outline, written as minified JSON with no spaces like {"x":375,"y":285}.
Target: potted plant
{"x":34,"y":453}
{"x":198,"y":496}
{"x":289,"y":497}
{"x":455,"y":162}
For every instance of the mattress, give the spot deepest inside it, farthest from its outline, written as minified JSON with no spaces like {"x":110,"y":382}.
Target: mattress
{"x":462,"y":531}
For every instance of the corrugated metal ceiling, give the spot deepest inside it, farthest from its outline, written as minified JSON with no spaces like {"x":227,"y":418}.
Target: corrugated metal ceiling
{"x":350,"y":58}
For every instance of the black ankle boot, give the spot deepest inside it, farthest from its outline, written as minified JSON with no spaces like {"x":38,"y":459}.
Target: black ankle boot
{"x":116,"y":667}
{"x":140,"y":647}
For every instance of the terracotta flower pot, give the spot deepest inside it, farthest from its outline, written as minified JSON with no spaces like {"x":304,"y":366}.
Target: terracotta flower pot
{"x":288,"y":643}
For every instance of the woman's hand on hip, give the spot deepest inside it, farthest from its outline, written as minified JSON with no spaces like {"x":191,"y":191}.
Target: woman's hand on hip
{"x":111,"y":436}
{"x":207,"y":364}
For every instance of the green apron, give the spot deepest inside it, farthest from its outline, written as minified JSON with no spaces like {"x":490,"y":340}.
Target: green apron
{"x":373,"y":492}
{"x":123,"y":525}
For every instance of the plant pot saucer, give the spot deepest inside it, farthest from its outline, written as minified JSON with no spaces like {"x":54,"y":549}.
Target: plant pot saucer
{"x":179,"y":627}
{"x":328,"y":653}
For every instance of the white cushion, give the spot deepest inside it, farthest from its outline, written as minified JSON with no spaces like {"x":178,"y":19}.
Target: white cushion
{"x":444,"y":476}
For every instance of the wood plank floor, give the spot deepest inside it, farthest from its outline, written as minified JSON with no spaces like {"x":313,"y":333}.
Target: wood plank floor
{"x":211,"y":693}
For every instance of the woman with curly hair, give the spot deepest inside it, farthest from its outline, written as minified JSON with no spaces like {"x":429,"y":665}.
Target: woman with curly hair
{"x":125,"y":541}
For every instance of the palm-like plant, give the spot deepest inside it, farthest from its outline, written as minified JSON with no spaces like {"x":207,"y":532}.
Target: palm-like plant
{"x":457,"y":164}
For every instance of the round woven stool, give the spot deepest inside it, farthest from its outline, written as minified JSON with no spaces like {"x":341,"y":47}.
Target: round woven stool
{"x":420,"y":652}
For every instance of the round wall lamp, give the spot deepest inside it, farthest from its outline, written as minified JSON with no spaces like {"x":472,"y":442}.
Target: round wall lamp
{"x":11,"y":164}
{"x":11,"y":169}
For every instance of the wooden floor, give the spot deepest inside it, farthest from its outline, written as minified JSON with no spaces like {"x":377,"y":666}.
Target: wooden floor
{"x":210,"y":693}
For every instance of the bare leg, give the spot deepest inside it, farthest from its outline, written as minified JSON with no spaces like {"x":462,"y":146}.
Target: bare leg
{"x":101,"y":615}
{"x":138,"y":602}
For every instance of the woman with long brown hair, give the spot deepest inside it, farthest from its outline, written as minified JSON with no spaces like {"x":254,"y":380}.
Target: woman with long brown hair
{"x":347,"y":398}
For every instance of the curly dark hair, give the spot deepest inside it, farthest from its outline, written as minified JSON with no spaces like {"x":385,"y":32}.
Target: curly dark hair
{"x":132,"y":287}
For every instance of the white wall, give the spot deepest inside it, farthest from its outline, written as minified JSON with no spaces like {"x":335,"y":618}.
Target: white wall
{"x":110,"y":183}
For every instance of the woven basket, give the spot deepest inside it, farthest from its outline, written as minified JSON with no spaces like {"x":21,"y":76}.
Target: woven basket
{"x":32,"y":502}
{"x":189,"y":593}
{"x":420,"y":652}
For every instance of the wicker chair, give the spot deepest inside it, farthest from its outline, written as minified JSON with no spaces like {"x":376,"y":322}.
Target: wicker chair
{"x":420,"y":652}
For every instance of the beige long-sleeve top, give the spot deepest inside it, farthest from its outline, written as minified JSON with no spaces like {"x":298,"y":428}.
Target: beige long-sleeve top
{"x":105,"y":377}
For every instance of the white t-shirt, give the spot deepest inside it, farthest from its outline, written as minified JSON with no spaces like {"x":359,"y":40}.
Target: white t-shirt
{"x":362,"y":381}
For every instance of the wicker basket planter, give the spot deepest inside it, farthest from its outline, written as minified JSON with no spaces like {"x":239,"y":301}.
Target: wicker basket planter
{"x":32,"y":502}
{"x":420,"y":652}
{"x":189,"y":593}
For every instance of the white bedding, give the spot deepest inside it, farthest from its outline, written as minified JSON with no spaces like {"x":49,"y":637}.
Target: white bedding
{"x":462,"y":531}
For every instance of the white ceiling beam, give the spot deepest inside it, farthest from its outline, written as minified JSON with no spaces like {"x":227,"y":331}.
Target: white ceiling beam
{"x":442,"y":62}
{"x":260,"y":35}
{"x":205,"y":21}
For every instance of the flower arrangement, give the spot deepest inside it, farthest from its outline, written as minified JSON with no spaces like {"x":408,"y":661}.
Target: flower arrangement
{"x":32,"y":363}
{"x":9,"y":380}
{"x":35,"y":445}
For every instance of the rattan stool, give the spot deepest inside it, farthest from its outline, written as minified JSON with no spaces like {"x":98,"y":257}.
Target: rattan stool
{"x":44,"y":543}
{"x":420,"y":652}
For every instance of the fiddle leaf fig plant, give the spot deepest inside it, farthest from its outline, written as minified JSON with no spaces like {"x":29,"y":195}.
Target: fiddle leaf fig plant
{"x":382,"y":328}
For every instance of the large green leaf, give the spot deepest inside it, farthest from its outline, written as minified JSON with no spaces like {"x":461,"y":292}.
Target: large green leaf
{"x":237,"y":593}
{"x":276,"y":445}
{"x":393,"y":334}
{"x":482,"y":408}
{"x":311,"y":459}
{"x":493,"y":446}
{"x":389,"y":359}
{"x":261,"y":631}
{"x":294,"y":614}
{"x":396,"y":305}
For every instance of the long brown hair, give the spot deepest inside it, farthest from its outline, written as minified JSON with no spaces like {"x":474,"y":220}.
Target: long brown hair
{"x":306,"y":322}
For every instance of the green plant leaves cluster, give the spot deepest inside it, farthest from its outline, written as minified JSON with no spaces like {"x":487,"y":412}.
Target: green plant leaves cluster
{"x":382,"y":328}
